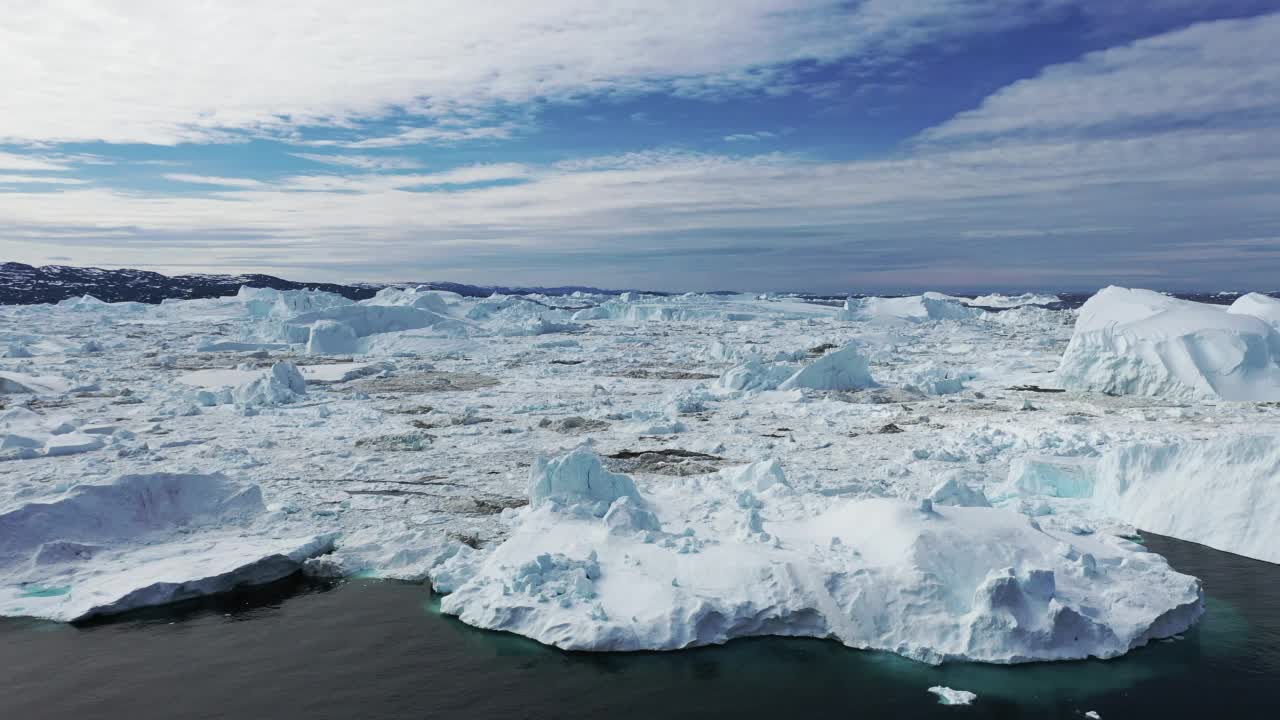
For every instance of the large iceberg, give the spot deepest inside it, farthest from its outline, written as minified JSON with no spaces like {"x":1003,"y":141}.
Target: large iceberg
{"x":365,"y":320}
{"x":717,"y":561}
{"x":843,"y":369}
{"x":1139,"y":342}
{"x":840,"y":370}
{"x":917,"y":308}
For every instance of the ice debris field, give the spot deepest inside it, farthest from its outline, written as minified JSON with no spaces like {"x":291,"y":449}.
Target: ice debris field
{"x":943,"y":478}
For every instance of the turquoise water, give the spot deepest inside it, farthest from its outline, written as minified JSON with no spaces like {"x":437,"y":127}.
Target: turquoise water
{"x":370,"y":649}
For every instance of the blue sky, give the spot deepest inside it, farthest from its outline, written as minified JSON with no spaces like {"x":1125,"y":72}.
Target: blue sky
{"x":760,"y":144}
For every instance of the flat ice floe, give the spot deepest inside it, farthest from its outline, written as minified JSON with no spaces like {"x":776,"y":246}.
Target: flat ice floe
{"x":757,"y":464}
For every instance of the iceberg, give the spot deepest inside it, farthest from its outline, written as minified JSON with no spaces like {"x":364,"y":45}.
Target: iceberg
{"x":281,"y":385}
{"x":840,"y":370}
{"x":365,"y":320}
{"x":917,"y":308}
{"x":141,"y":540}
{"x":843,"y":369}
{"x":948,"y":696}
{"x":330,"y":337}
{"x":934,"y":584}
{"x":996,"y":300}
{"x":1139,"y":342}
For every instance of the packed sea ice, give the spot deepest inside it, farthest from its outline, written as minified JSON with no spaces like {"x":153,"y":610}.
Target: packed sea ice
{"x":933,"y":476}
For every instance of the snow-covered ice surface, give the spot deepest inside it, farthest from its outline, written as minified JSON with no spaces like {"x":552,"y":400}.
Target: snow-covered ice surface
{"x":644,"y":472}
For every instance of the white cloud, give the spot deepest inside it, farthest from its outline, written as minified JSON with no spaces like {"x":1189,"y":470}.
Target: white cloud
{"x":27,"y":163}
{"x":750,"y":137}
{"x":1217,"y":68}
{"x":151,"y":71}
{"x":1104,"y":202}
{"x":10,"y":179}
{"x":376,"y":183}
{"x":212,"y":180}
{"x":362,"y":162}
{"x":423,"y":135}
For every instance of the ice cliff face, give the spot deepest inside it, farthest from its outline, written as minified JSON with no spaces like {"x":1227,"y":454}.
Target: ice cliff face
{"x":137,"y":541}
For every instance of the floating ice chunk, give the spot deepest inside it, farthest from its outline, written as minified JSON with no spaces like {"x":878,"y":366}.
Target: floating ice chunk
{"x":947,"y":696}
{"x":758,"y":476}
{"x":71,"y":444}
{"x":954,"y":491}
{"x":269,"y":302}
{"x":28,"y":434}
{"x":532,"y":327}
{"x":755,"y":375}
{"x":578,"y":479}
{"x":281,"y":385}
{"x":659,"y":427}
{"x":931,"y":379}
{"x":330,"y":337}
{"x":420,"y":297}
{"x":996,"y":300}
{"x":367,"y":320}
{"x":626,"y":515}
{"x":843,"y":369}
{"x":1064,"y":477}
{"x":1138,"y":342}
{"x":918,"y":308}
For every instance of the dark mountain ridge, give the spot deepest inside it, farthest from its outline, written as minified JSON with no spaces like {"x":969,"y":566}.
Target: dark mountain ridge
{"x":28,"y":285}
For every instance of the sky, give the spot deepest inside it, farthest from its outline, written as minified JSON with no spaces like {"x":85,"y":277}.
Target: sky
{"x":812,"y":145}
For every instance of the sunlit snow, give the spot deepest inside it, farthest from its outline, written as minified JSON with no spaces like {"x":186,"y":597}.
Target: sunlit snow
{"x":939,"y":477}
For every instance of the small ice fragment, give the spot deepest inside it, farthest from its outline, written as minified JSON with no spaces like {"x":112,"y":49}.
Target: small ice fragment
{"x":947,"y":696}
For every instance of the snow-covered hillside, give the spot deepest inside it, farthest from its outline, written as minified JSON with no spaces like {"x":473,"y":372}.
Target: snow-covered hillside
{"x":920,"y":475}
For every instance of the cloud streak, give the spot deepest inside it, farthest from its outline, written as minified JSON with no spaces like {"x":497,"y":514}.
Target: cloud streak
{"x":83,"y":70}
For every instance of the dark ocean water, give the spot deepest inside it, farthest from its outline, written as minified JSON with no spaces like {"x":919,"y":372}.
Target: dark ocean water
{"x":370,"y":649}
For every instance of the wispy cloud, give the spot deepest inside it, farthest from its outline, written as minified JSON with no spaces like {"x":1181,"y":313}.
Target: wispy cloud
{"x":27,"y":163}
{"x":1225,"y":69}
{"x":751,"y":136}
{"x":213,"y":180}
{"x":282,"y":70}
{"x":11,"y":179}
{"x":1090,"y":169}
{"x":362,"y":162}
